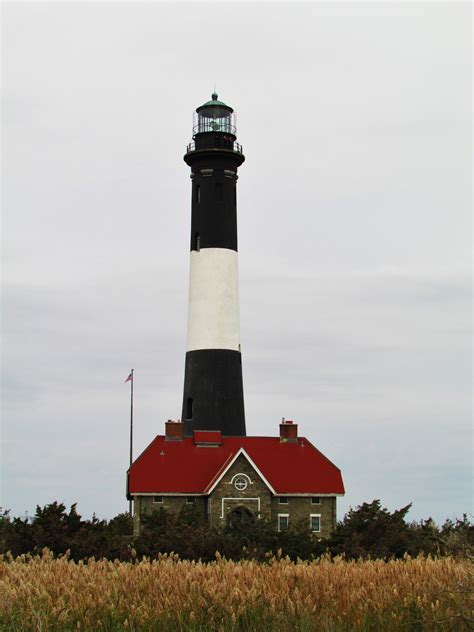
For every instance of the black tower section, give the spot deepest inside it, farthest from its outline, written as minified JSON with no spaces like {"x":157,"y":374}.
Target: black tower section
{"x":213,"y":391}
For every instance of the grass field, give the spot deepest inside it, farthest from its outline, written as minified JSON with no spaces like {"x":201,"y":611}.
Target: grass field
{"x":44,"y":593}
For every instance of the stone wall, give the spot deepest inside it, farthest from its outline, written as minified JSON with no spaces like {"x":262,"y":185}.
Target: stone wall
{"x":173,"y":504}
{"x":300,"y":509}
{"x":225,"y":497}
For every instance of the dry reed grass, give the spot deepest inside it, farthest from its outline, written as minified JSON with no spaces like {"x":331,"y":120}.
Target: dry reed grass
{"x":44,"y":593}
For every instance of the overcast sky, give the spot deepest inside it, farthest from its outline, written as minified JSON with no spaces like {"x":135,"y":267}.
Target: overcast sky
{"x":354,"y":207}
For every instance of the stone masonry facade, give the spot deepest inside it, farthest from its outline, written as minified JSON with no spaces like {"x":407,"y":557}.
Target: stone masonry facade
{"x":300,"y":509}
{"x":173,"y":504}
{"x":256,"y":498}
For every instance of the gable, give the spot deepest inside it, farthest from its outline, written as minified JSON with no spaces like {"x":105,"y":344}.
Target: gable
{"x":239,"y":473}
{"x":240,"y":459}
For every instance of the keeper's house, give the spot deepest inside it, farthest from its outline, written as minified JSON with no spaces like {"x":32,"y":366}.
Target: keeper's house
{"x":235,"y":479}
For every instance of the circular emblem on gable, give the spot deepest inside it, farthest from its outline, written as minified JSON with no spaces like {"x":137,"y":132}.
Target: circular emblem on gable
{"x":240,"y":483}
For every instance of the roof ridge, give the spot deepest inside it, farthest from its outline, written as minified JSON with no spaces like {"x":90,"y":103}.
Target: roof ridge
{"x":323,"y":455}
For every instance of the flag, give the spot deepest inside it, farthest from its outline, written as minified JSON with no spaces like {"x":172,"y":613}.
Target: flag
{"x":129,"y":378}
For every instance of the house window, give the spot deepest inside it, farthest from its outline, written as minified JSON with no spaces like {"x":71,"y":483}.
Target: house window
{"x":283,"y":520}
{"x":219,"y":191}
{"x":158,"y":499}
{"x":315,"y":500}
{"x":283,"y":500}
{"x":189,"y":408}
{"x":315,"y":522}
{"x":197,"y":193}
{"x":190,"y":500}
{"x":240,"y":483}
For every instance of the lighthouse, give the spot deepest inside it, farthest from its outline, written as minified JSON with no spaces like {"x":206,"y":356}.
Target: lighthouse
{"x":205,"y":459}
{"x":213,"y":396}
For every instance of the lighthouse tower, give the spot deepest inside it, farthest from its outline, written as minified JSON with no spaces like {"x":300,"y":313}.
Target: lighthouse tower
{"x":213,"y":396}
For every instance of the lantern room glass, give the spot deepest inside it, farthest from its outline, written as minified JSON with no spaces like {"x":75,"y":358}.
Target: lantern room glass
{"x":214,"y":118}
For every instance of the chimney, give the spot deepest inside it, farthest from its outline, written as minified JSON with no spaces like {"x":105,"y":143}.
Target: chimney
{"x":174,"y":430}
{"x":288,"y":431}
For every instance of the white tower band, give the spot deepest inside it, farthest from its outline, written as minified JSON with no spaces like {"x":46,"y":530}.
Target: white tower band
{"x":213,"y":392}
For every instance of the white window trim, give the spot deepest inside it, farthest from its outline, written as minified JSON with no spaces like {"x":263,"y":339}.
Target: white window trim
{"x":158,"y":502}
{"x":313,"y":500}
{"x":311,"y":516}
{"x":241,"y":484}
{"x":283,"y":502}
{"x":243,"y":476}
{"x":285,"y":515}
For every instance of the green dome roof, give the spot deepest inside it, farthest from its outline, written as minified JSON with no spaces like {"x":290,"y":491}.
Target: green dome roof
{"x":214,"y":102}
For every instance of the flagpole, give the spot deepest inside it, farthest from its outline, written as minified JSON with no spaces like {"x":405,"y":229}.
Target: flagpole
{"x":131,"y":430}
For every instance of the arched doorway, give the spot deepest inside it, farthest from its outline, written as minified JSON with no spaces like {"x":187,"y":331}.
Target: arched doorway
{"x":240,"y":517}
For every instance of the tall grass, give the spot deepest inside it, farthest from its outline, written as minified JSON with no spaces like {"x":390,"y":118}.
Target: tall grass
{"x":422,"y":594}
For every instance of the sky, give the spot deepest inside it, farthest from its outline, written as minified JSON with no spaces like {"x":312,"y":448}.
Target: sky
{"x":354,"y":211}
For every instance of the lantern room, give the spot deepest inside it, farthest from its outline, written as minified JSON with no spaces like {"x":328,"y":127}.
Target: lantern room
{"x":214,"y":116}
{"x":214,"y":128}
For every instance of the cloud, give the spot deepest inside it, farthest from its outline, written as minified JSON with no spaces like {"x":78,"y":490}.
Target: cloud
{"x":354,"y":237}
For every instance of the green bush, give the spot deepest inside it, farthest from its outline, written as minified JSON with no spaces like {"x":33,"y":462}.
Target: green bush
{"x":366,"y":531}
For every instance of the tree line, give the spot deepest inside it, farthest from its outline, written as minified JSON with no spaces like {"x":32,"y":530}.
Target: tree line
{"x":369,"y":530}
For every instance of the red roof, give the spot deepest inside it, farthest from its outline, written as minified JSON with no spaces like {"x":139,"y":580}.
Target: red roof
{"x":207,"y":436}
{"x":184,"y":467}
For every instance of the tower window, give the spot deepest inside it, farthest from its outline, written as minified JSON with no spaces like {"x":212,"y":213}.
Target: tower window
{"x":219,"y":191}
{"x":189,"y":408}
{"x":197,"y":193}
{"x":196,"y":242}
